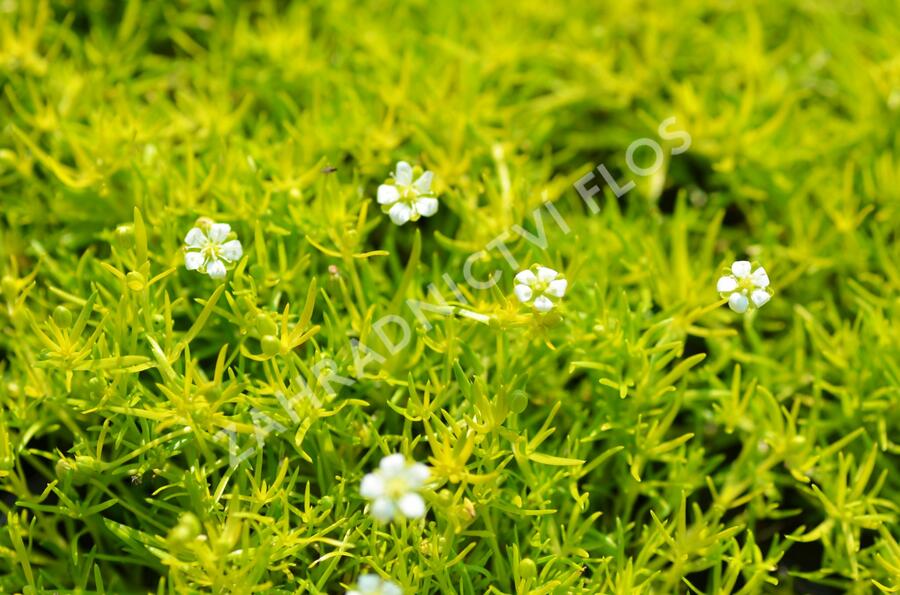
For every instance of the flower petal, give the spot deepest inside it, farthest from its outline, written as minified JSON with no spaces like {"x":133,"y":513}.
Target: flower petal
{"x":557,"y":288}
{"x":232,"y":250}
{"x":417,"y":474}
{"x":195,"y":238}
{"x":760,"y":297}
{"x":427,"y":206}
{"x":383,"y":509}
{"x":526,"y":277}
{"x":387,"y":194}
{"x":726,"y":284}
{"x":216,"y":269}
{"x":542,"y":304}
{"x":423,"y":184}
{"x":760,"y":278}
{"x":389,"y":588}
{"x":403,"y":175}
{"x":546,"y":275}
{"x":393,"y":464}
{"x":740,"y":268}
{"x":412,"y":506}
{"x":219,"y":231}
{"x":523,"y":292}
{"x":400,"y":213}
{"x":368,"y":583}
{"x":738,"y":302}
{"x":193,"y":260}
{"x":372,"y":486}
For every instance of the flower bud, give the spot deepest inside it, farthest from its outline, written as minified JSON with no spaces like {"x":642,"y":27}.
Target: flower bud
{"x":527,"y":568}
{"x":187,"y":529}
{"x":135,"y":281}
{"x":265,"y":325}
{"x":518,"y":401}
{"x":123,"y":238}
{"x":63,"y":469}
{"x":270,"y":345}
{"x":62,"y":317}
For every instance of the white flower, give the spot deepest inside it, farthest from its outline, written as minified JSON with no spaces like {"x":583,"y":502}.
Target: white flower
{"x":394,"y":487}
{"x":372,"y":584}
{"x":404,"y":200}
{"x":744,"y":287}
{"x":208,"y":252}
{"x":540,"y":286}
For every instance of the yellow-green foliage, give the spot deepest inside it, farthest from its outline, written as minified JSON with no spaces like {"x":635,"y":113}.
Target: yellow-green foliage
{"x":639,"y":438}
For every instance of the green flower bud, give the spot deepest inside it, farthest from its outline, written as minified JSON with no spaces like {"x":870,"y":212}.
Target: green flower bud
{"x":135,"y":281}
{"x":187,"y":529}
{"x":124,"y":237}
{"x":63,"y":470}
{"x":62,"y":317}
{"x":518,"y":401}
{"x":265,"y":325}
{"x":85,"y":468}
{"x":527,"y":568}
{"x":270,"y":345}
{"x":445,"y":497}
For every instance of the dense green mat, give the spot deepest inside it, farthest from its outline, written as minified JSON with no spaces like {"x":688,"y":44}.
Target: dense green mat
{"x":174,"y":430}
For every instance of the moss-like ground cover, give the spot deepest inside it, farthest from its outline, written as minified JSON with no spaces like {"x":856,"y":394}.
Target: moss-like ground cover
{"x":173,"y":430}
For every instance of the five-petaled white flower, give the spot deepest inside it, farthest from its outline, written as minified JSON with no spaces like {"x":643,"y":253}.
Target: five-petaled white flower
{"x":744,"y":286}
{"x":394,"y":487}
{"x":405,"y":200}
{"x":372,"y":584}
{"x":540,"y":286}
{"x":208,"y":252}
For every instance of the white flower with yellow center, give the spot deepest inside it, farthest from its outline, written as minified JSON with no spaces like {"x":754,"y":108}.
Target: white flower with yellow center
{"x":372,"y":584}
{"x":404,"y":199}
{"x":394,"y":488}
{"x":744,"y":286}
{"x":540,"y":286}
{"x":209,"y":252}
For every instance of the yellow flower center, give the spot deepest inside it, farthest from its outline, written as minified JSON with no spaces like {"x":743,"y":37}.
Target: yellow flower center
{"x":407,"y":193}
{"x":396,"y":487}
{"x":212,"y":251}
